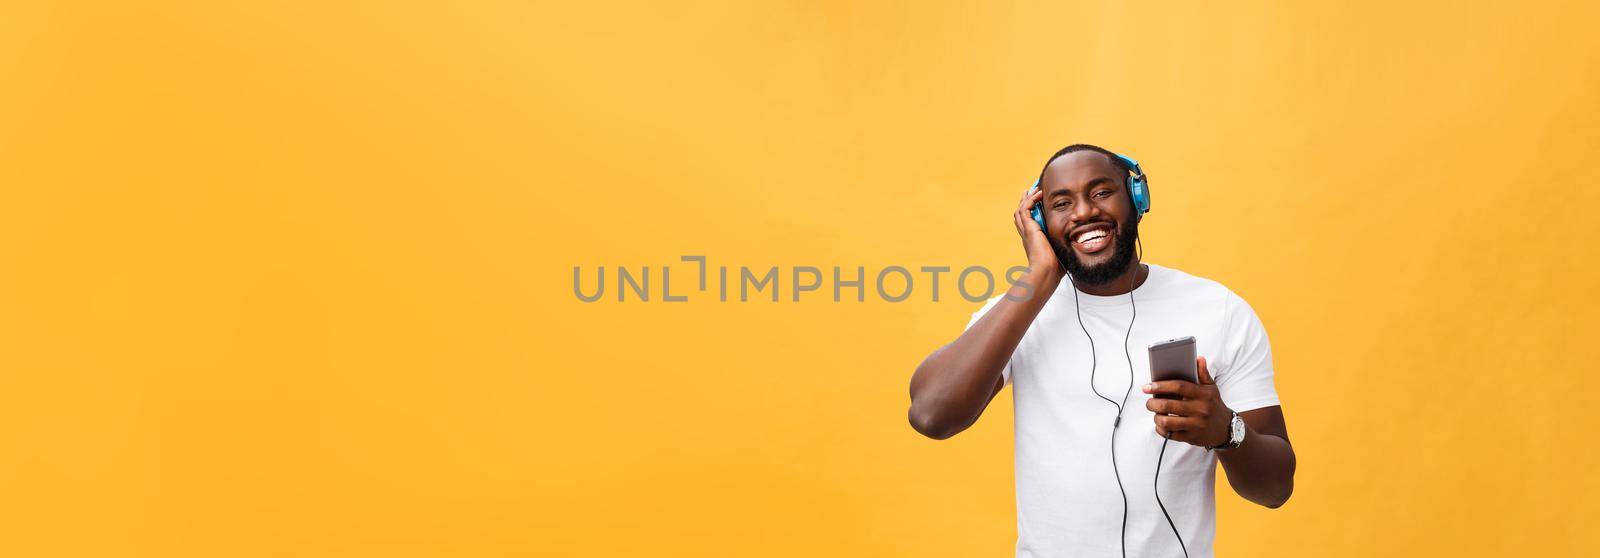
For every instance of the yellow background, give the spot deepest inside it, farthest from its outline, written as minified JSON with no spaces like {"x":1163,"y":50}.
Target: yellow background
{"x":294,"y":278}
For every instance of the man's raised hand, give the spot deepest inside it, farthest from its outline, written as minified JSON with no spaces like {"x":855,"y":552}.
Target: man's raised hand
{"x":1041,"y":256}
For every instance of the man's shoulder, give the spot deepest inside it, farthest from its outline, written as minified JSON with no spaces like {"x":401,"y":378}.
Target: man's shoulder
{"x":1199,"y":290}
{"x":1182,"y":283}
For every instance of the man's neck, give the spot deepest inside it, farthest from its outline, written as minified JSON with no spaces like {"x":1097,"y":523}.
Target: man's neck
{"x":1124,"y":283}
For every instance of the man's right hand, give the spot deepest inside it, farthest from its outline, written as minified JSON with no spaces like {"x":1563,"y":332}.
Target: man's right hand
{"x":1041,"y":255}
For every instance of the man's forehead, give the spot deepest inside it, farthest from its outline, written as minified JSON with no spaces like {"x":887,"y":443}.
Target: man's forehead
{"x":1080,"y":167}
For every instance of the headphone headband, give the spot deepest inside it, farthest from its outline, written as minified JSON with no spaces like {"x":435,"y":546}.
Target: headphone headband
{"x":1132,"y":164}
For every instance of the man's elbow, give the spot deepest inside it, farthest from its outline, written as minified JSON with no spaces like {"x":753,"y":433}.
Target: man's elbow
{"x":1278,"y":500}
{"x":1279,"y":492}
{"x":1286,"y":489}
{"x":932,"y":424}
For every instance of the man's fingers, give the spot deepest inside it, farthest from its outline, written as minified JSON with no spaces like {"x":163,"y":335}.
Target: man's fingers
{"x":1178,"y":424}
{"x":1025,"y":211}
{"x":1029,"y":198}
{"x":1169,"y":407}
{"x":1186,"y":436}
{"x":1205,"y":374}
{"x":1028,"y":223}
{"x":1180,"y":388}
{"x":1164,"y":424}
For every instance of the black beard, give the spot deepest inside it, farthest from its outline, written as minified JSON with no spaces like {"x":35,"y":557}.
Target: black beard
{"x":1094,"y":276}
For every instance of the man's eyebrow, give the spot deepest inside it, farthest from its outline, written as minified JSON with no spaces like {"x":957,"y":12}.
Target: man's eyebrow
{"x":1092,"y":183}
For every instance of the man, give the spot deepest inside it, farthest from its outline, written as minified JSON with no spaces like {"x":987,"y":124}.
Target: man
{"x":1071,"y":335}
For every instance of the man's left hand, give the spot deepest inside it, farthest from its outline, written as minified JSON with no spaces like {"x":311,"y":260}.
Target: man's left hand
{"x":1199,"y":418}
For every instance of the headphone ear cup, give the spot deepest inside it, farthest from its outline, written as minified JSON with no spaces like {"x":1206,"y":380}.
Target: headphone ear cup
{"x":1138,"y":184}
{"x":1141,"y":196}
{"x":1036,"y":211}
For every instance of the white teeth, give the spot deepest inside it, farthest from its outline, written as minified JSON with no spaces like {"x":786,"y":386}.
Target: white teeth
{"x":1089,"y":236}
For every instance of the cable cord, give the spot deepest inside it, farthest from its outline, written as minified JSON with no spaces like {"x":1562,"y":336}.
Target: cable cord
{"x":1157,"y":490}
{"x":1157,"y":482}
{"x":1094,"y":362}
{"x":1094,"y":367}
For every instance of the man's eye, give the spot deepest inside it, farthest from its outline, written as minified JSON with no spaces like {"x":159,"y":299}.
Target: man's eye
{"x":1102,"y":193}
{"x":1060,"y":204}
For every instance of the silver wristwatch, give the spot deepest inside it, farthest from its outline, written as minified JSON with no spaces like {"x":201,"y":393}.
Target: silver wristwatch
{"x":1235,"y":434}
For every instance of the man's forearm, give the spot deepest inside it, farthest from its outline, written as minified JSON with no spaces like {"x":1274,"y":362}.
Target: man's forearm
{"x":1261,"y":469}
{"x":951,"y":387}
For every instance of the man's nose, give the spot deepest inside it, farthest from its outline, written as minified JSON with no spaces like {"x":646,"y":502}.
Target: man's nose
{"x":1083,"y":212}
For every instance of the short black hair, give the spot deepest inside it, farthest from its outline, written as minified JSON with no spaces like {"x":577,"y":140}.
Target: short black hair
{"x":1076,"y":147}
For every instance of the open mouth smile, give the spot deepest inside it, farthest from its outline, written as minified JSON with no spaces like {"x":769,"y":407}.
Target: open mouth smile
{"x":1091,"y":239}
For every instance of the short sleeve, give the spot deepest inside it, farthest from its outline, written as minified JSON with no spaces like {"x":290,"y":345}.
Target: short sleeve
{"x":1246,"y":377}
{"x":987,"y":306}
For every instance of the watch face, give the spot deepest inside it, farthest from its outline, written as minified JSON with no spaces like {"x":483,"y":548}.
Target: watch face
{"x":1237,"y":434}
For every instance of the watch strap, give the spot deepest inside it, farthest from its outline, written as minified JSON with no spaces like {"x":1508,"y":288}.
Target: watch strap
{"x":1232,"y":442}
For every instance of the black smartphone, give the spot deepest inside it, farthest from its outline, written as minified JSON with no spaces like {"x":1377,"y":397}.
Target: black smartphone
{"x":1173,"y":359}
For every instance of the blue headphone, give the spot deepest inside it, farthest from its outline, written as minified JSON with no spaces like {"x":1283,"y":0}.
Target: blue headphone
{"x":1138,"y":187}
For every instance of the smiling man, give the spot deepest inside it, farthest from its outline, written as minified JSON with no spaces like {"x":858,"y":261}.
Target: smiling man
{"x":1071,"y":337}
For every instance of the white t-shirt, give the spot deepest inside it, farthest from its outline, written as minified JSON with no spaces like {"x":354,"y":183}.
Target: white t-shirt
{"x":1067,"y":498}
